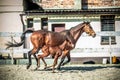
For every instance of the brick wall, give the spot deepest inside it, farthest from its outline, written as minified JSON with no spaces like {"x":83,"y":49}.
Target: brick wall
{"x":72,"y":3}
{"x":101,"y":3}
{"x":57,"y":3}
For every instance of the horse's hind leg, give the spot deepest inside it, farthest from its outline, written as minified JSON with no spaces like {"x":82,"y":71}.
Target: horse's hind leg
{"x":36,"y":61}
{"x":55,"y":61}
{"x":29,"y":57}
{"x":45,"y":54}
{"x":45,"y":64}
{"x":36,"y":58}
{"x":33,"y":51}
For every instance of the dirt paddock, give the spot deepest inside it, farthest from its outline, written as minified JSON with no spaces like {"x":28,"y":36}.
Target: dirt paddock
{"x":69,"y":72}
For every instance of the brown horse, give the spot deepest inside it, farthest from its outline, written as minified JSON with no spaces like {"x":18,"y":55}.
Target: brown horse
{"x":75,"y":33}
{"x":40,"y":38}
{"x":53,"y":39}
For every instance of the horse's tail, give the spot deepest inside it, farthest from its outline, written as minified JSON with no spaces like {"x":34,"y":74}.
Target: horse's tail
{"x":16,"y":44}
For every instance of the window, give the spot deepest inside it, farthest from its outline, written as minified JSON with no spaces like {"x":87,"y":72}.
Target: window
{"x":44,"y":24}
{"x":29,"y":22}
{"x":84,"y":4}
{"x":107,"y":24}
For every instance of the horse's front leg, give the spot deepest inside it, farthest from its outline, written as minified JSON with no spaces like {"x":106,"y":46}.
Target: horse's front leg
{"x":62,"y":59}
{"x":69,"y":59}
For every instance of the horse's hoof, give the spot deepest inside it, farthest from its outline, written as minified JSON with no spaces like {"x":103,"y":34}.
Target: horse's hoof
{"x":35,"y":69}
{"x":45,"y":68}
{"x":58,"y":68}
{"x":53,"y":71}
{"x":28,"y":66}
{"x":63,"y":64}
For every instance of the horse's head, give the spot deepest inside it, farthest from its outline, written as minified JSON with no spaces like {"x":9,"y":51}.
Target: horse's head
{"x":88,"y":29}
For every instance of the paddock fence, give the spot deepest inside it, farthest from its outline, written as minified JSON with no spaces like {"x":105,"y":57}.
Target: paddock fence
{"x":91,"y":52}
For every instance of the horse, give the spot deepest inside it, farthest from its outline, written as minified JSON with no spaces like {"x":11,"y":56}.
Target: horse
{"x":75,"y":32}
{"x":40,"y":38}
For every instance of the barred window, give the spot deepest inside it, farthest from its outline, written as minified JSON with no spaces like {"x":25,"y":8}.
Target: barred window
{"x":107,"y":24}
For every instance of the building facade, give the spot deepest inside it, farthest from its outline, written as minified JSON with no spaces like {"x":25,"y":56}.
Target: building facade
{"x":58,"y":15}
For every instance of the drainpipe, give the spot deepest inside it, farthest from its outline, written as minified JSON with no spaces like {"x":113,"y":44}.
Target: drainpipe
{"x":110,"y":50}
{"x":23,"y":20}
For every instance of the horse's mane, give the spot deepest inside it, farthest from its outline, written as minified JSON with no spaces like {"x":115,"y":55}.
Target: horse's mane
{"x":77,"y":26}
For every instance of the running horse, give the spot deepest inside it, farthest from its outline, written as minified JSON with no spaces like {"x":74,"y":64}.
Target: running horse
{"x":41,"y":38}
{"x":66,"y":47}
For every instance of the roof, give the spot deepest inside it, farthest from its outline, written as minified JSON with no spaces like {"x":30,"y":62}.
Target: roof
{"x":74,"y":11}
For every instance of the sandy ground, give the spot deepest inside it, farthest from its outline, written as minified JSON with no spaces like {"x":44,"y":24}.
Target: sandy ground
{"x":69,"y":72}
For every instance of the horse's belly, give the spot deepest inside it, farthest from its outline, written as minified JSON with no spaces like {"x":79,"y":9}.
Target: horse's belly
{"x":53,"y":43}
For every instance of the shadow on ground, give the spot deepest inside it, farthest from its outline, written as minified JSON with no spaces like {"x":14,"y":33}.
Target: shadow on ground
{"x":79,"y":68}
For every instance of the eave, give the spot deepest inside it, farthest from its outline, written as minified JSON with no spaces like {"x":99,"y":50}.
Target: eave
{"x":74,"y":11}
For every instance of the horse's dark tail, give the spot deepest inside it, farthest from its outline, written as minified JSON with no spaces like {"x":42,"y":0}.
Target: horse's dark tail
{"x":16,"y":44}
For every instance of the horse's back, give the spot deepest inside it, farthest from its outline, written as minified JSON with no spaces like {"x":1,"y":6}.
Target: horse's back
{"x":54,"y":39}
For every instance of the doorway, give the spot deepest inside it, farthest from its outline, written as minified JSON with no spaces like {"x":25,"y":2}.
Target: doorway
{"x":58,"y":27}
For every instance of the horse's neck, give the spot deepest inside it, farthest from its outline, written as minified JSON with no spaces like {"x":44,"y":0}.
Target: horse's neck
{"x":77,"y":32}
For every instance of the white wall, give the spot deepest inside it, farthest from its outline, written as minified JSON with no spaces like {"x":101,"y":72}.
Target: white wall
{"x":10,"y":21}
{"x":11,"y":5}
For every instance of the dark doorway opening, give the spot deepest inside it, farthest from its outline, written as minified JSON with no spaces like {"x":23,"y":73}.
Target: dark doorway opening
{"x":58,"y":27}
